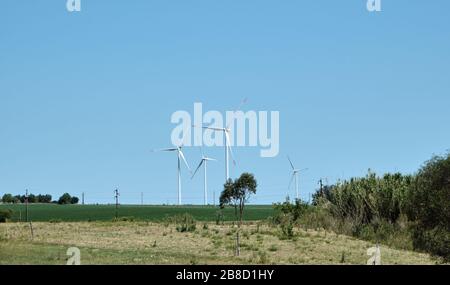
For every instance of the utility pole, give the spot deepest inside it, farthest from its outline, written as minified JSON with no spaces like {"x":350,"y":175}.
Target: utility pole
{"x":26,"y":205}
{"x":116,"y":195}
{"x":82,"y":198}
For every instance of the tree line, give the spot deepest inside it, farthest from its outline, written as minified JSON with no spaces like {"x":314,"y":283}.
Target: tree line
{"x":66,"y":198}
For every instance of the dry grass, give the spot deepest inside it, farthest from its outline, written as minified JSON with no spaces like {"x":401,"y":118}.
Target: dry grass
{"x":156,"y":243}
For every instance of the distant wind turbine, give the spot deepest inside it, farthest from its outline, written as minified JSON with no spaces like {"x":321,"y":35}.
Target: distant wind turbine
{"x":180,"y":157}
{"x":295,"y":173}
{"x":204,"y":161}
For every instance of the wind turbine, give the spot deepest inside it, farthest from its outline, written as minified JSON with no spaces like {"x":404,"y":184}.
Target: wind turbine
{"x":295,"y":173}
{"x":180,"y":157}
{"x":204,"y":161}
{"x":227,"y":143}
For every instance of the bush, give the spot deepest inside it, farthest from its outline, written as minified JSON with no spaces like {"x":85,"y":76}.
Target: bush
{"x":74,"y":200}
{"x":429,"y":206}
{"x":124,"y":219}
{"x":286,"y":223}
{"x":219,"y":217}
{"x":185,"y":223}
{"x":296,"y":209}
{"x":436,"y":241}
{"x":5,"y":215}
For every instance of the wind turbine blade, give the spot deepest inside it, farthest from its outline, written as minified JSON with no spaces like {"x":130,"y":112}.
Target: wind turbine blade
{"x":164,"y":149}
{"x":292,"y":165}
{"x":214,"y":129}
{"x":227,"y":137}
{"x":292,"y":179}
{"x":203,"y":154}
{"x":244,"y":101}
{"x":200,"y":165}
{"x":209,"y":159}
{"x":184,"y":160}
{"x":239,"y":107}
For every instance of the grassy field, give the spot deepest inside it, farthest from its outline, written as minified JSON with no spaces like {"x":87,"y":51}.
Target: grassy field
{"x":79,"y":213}
{"x":160,"y":243}
{"x":152,"y":239}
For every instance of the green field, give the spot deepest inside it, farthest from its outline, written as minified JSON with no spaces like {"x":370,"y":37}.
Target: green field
{"x":79,"y":213}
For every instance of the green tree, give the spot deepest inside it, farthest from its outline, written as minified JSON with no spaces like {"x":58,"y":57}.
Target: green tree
{"x":74,"y":200}
{"x":65,"y":199}
{"x":246,"y":186}
{"x":44,"y":198}
{"x":32,"y":198}
{"x":238,"y":193}
{"x":8,"y":198}
{"x":5,"y":215}
{"x":429,"y":206}
{"x":229,"y":197}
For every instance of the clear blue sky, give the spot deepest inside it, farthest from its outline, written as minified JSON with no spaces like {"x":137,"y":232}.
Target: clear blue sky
{"x":85,"y":96}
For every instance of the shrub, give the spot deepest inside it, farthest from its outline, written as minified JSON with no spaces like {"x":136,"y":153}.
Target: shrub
{"x":5,"y":215}
{"x":429,"y":206}
{"x":262,"y":257}
{"x":436,"y":241}
{"x":296,"y":209}
{"x":286,"y":223}
{"x":273,"y":248}
{"x":185,"y":223}
{"x":124,"y":219}
{"x":219,"y":217}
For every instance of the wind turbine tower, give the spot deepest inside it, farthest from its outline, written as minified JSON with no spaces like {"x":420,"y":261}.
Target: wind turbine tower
{"x":204,"y":162}
{"x":295,"y":174}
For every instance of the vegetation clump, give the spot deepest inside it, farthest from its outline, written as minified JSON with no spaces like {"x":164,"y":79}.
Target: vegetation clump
{"x":5,"y":215}
{"x":185,"y":223}
{"x":405,"y":211}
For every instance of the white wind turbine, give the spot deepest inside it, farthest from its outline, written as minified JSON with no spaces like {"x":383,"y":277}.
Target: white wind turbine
{"x":295,"y":173}
{"x":226,"y":132}
{"x":204,"y":161}
{"x":227,"y":143}
{"x":180,"y":157}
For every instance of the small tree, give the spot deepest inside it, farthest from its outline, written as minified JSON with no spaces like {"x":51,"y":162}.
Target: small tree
{"x":229,"y":197}
{"x":65,"y":199}
{"x":238,"y":193}
{"x":74,"y":200}
{"x":8,"y":198}
{"x":246,"y":186}
{"x":5,"y":215}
